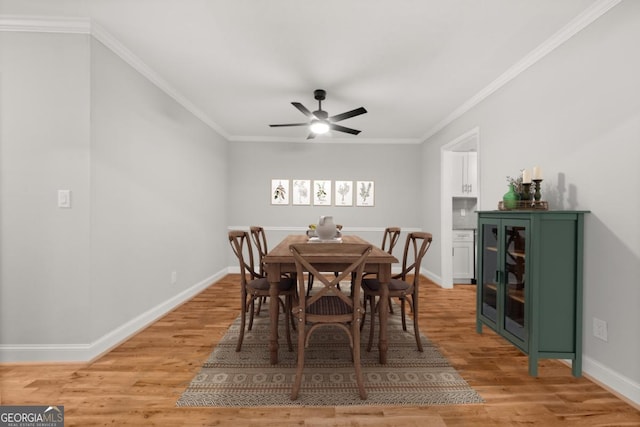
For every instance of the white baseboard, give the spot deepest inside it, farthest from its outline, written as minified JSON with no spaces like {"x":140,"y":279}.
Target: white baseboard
{"x":51,"y":353}
{"x":623,"y":387}
{"x":433,"y":277}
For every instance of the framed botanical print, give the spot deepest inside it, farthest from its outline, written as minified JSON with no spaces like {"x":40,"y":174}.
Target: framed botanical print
{"x":343,"y":193}
{"x":365,"y":193}
{"x":322,"y":192}
{"x":301,"y":192}
{"x":279,"y":191}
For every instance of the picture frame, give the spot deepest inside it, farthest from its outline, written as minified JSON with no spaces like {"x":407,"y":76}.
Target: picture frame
{"x":279,"y":191}
{"x":322,"y":192}
{"x":343,"y":194}
{"x":365,"y":193}
{"x":301,"y":192}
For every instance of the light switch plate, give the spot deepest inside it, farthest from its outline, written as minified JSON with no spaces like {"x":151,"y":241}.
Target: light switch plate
{"x":64,"y":198}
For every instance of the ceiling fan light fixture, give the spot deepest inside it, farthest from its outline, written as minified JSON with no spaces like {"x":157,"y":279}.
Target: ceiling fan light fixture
{"x":319,"y":127}
{"x":319,"y":121}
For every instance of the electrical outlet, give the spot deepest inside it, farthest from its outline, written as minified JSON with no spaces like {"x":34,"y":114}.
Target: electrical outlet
{"x":600,"y":329}
{"x":174,"y":277}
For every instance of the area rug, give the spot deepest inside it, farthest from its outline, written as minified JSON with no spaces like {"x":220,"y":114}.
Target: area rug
{"x":247,"y":378}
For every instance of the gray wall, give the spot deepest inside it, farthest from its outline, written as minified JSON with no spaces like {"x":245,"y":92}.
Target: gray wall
{"x":44,"y":146}
{"x":576,"y":114}
{"x":395,"y":169}
{"x":145,"y":177}
{"x":155,"y":175}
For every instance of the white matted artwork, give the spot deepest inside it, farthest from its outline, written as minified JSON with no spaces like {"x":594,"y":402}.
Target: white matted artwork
{"x":344,"y":193}
{"x":322,"y":192}
{"x":279,"y":192}
{"x":301,"y":192}
{"x":365,"y":193}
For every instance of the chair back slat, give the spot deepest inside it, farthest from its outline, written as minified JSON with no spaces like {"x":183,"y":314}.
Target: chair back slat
{"x":416,"y":246}
{"x":259,"y":238}
{"x":305,"y":254}
{"x":390,"y":237}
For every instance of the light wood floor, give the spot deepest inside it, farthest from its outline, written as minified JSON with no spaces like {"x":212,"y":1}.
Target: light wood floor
{"x":138,"y":383}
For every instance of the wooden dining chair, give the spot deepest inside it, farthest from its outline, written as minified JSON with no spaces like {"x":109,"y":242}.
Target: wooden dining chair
{"x":329,"y":305}
{"x":254,"y":287}
{"x":259,"y":238}
{"x":404,"y":286}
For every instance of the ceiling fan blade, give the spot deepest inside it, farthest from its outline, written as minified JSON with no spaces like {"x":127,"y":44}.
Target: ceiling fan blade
{"x":339,"y":128}
{"x":303,"y":110}
{"x":289,"y":124}
{"x":348,"y":114}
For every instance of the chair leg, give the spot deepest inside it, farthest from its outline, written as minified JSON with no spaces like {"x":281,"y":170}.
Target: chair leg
{"x":243,"y":319}
{"x":289,"y":299}
{"x":355,"y":336}
{"x":403,"y":300}
{"x":261,"y":300}
{"x":295,"y":390}
{"x":416,"y":330}
{"x":364,"y":313}
{"x":252,"y":306}
{"x":372,"y":322}
{"x":286,"y":306}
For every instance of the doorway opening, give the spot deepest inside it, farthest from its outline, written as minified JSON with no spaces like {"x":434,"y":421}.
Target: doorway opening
{"x":460,"y":198}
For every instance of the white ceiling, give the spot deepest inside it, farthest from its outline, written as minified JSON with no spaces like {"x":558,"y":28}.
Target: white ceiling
{"x":411,"y":63}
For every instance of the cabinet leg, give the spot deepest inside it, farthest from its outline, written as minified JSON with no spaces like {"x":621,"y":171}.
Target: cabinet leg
{"x":533,"y":366}
{"x":576,"y":367}
{"x":479,"y":327}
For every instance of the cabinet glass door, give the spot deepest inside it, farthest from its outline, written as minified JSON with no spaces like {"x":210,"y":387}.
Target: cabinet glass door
{"x":489,"y":279}
{"x":515,"y":245}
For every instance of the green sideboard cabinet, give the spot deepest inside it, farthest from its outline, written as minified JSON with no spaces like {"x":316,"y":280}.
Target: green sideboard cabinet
{"x":530,"y":282}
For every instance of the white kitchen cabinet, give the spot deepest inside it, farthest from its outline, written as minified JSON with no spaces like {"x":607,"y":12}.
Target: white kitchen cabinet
{"x":463,"y":255}
{"x":464,"y":174}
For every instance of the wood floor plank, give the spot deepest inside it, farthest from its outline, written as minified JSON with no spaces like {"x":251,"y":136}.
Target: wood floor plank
{"x":138,"y":382}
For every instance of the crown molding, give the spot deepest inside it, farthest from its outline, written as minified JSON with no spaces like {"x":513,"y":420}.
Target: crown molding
{"x":326,"y":140}
{"x":583,"y":20}
{"x":42,"y":24}
{"x":87,"y":26}
{"x":104,"y":37}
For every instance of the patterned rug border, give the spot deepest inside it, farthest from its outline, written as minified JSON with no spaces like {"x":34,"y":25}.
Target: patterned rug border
{"x":247,"y":379}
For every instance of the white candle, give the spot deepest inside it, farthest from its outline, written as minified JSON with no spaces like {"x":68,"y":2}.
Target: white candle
{"x":537,"y":174}
{"x":526,"y":178}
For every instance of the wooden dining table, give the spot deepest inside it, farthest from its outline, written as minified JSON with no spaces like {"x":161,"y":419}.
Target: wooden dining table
{"x":280,"y":260}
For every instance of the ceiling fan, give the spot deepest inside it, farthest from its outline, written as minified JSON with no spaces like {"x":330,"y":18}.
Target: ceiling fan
{"x":320,"y":122}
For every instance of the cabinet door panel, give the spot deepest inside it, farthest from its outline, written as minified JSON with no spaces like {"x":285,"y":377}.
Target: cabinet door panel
{"x":489,"y":280}
{"x":515,"y":244}
{"x":458,"y":174}
{"x":462,"y":260}
{"x":472,"y":173}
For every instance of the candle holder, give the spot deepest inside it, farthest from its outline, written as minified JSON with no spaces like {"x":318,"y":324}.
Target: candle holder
{"x":537,"y":195}
{"x":526,"y":195}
